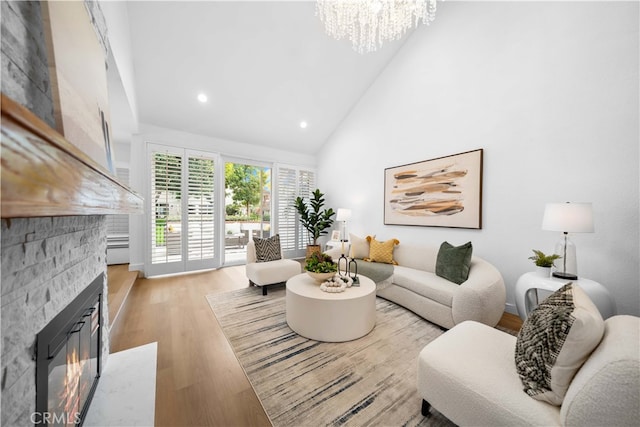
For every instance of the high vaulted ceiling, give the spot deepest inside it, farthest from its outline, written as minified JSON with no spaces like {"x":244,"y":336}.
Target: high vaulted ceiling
{"x":265,"y":67}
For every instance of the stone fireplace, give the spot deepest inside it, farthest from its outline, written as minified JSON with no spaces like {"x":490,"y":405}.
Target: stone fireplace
{"x":68,"y":360}
{"x":54,"y":199}
{"x":46,"y":264}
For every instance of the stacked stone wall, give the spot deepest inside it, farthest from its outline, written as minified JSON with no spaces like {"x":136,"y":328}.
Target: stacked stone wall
{"x":46,"y":263}
{"x":23,"y":54}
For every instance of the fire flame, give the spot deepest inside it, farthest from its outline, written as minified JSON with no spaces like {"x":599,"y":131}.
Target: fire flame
{"x":74,"y":390}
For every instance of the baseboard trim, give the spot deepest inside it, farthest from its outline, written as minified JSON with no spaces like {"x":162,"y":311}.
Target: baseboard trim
{"x":511,"y":308}
{"x":139,"y":268}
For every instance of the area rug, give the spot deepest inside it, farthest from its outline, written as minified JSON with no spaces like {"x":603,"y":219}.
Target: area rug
{"x":301,"y":382}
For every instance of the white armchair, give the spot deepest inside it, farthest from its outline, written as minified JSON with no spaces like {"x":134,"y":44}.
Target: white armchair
{"x":268,"y":273}
{"x":469,"y":375}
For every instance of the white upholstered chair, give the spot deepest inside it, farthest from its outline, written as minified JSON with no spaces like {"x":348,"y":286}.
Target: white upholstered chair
{"x":268,"y":273}
{"x":469,"y":375}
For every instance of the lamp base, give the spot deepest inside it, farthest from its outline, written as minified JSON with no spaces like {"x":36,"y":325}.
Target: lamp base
{"x":566,"y":276}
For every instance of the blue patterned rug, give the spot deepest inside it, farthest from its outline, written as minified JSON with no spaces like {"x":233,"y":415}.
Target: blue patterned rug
{"x":302,"y":382}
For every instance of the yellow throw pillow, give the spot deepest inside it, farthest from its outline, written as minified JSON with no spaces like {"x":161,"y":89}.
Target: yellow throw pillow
{"x":381,"y":251}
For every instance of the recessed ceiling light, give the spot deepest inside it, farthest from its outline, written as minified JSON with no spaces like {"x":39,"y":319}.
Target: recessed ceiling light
{"x":303,"y":124}
{"x":202,"y":97}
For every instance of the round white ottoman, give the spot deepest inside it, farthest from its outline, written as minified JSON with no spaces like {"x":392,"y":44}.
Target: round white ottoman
{"x":330,"y":317}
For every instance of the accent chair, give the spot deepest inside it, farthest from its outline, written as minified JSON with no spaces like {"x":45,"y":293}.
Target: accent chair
{"x":469,"y":375}
{"x":269,"y":273}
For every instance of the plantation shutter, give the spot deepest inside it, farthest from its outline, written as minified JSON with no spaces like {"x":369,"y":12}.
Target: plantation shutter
{"x":201,"y":218}
{"x":306,"y":185}
{"x":166,"y":212}
{"x":291,"y":183}
{"x":286,"y":211}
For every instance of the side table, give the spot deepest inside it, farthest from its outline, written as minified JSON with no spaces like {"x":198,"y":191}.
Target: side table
{"x":528,"y":285}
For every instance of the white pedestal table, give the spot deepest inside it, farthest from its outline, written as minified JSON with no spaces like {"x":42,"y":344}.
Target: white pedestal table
{"x":330,"y":317}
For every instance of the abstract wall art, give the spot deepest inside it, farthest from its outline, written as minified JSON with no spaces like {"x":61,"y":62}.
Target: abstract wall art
{"x":441,"y":192}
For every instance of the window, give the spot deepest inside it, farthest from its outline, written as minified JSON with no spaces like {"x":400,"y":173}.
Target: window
{"x":182,"y":231}
{"x":292,"y":182}
{"x":197,"y":220}
{"x":201,"y":216}
{"x":247,"y":206}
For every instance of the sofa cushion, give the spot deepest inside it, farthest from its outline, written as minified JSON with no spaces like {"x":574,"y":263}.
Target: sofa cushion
{"x":267,"y":249}
{"x":376,"y":271}
{"x":381,"y":251}
{"x":468,"y":375}
{"x":416,"y":256}
{"x":554,"y":342}
{"x":425,"y":284}
{"x":359,"y":246}
{"x":267,"y":273}
{"x":454,"y":262}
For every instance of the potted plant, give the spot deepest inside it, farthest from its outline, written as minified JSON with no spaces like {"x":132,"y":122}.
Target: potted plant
{"x":320,"y":266}
{"x":544,"y":262}
{"x":314,"y":218}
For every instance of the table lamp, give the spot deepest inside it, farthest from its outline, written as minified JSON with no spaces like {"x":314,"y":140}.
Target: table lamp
{"x":343,"y":216}
{"x":567,"y":218}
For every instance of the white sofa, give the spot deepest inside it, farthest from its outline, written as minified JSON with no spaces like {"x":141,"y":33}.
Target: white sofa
{"x":415,"y":286}
{"x":263,"y":274}
{"x":469,"y":375}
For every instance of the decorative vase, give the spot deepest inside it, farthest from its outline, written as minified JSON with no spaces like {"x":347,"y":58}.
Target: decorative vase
{"x":543,"y":271}
{"x":320,"y":277}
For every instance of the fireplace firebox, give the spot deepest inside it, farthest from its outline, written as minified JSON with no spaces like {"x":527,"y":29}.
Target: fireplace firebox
{"x":68,"y":357}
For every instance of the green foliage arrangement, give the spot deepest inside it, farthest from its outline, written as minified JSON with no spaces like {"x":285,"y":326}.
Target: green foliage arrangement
{"x":542,"y":260}
{"x":321,"y":263}
{"x":244,"y":184}
{"x":315,"y":220}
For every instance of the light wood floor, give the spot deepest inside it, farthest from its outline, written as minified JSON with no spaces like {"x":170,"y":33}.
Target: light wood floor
{"x":199,"y":380}
{"x":510,"y":321}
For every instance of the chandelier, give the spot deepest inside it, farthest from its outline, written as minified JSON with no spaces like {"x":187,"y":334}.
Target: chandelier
{"x":369,"y":23}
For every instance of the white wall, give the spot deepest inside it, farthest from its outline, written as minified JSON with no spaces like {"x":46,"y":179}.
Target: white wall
{"x":549,"y":91}
{"x":116,"y":16}
{"x":122,"y":154}
{"x":158,"y":135}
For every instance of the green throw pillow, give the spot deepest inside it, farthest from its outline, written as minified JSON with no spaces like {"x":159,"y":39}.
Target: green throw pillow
{"x":454,"y":262}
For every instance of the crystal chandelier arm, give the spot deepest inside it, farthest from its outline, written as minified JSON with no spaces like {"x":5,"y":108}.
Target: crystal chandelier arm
{"x":369,"y":23}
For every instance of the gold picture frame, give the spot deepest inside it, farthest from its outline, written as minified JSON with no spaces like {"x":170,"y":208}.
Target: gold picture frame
{"x":441,"y":192}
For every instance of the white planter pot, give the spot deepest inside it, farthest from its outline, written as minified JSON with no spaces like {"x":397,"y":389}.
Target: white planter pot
{"x":543,"y":271}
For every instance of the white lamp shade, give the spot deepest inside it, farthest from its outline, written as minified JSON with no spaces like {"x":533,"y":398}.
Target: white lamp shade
{"x":568,"y":217}
{"x":343,"y":214}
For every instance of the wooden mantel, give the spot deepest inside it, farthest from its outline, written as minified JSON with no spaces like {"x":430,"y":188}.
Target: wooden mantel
{"x":43,"y":174}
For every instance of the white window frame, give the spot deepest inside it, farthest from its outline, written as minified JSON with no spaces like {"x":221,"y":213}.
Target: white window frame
{"x":184,"y":265}
{"x":300,"y":233}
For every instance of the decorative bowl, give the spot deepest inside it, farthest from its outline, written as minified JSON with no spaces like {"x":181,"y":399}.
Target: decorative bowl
{"x":320,"y":277}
